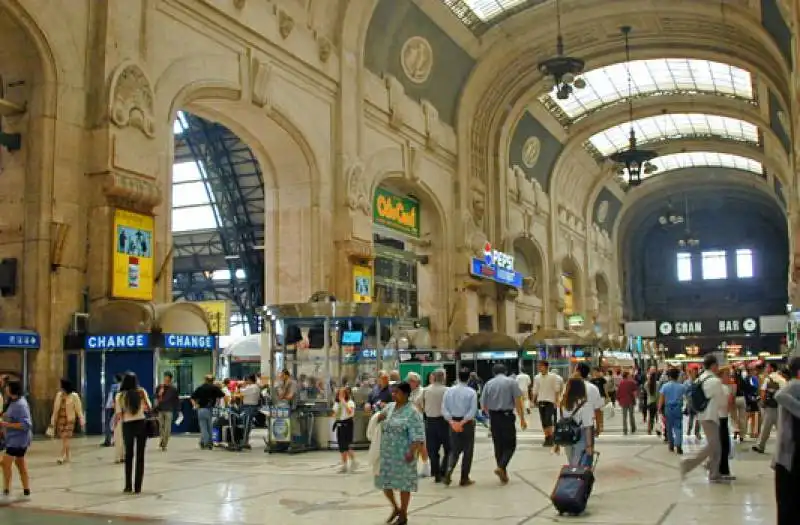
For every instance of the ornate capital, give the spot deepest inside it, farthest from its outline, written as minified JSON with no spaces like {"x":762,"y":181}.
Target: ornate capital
{"x":131,"y":192}
{"x":356,"y":250}
{"x":131,"y":99}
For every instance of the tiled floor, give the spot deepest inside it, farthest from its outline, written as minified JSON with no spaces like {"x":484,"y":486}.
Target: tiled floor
{"x":638,"y":483}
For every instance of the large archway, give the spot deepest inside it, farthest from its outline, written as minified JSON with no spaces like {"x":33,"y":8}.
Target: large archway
{"x":571,"y":283}
{"x":411,"y":261}
{"x":529,"y":260}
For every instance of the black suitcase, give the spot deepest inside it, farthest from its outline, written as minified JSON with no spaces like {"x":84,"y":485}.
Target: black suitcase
{"x":573,"y":488}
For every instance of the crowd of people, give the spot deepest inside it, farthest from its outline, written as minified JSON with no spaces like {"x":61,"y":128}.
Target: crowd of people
{"x":418,"y":431}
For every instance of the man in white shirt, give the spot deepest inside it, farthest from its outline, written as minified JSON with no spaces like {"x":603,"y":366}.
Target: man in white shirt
{"x":773,"y":383}
{"x":524,"y":382}
{"x":547,"y":387}
{"x":709,"y":420}
{"x":593,"y":397}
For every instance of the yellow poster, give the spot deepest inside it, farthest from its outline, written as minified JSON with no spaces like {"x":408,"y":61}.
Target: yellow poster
{"x":133,"y":264}
{"x":569,"y":298}
{"x":218,"y":314}
{"x":362,"y":284}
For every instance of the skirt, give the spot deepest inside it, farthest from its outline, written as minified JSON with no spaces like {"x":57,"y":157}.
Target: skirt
{"x":64,"y":427}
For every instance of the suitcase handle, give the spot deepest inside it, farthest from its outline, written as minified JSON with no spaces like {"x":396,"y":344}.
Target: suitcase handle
{"x":595,"y":459}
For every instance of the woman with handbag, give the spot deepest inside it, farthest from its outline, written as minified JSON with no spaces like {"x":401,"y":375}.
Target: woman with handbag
{"x":575,"y":406}
{"x":131,"y":407}
{"x":67,"y":408}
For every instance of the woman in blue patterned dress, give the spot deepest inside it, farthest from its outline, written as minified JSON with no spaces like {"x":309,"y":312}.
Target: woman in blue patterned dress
{"x":402,"y":437}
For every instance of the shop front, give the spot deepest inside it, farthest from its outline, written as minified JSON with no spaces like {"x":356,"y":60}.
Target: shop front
{"x":498,"y":283}
{"x":15,"y":351}
{"x":734,"y":337}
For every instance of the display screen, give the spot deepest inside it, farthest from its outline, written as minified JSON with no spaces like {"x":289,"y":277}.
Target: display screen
{"x":352,"y":337}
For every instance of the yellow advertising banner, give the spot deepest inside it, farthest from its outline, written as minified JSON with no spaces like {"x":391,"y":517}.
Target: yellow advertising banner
{"x":218,"y":314}
{"x":569,"y":297}
{"x":133,"y":262}
{"x":362,"y":284}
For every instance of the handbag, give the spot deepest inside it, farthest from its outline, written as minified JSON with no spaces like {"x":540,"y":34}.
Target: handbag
{"x":568,"y":431}
{"x":152,"y":426}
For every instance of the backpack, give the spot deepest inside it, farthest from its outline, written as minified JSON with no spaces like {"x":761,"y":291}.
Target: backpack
{"x":696,"y":396}
{"x":769,"y":393}
{"x":568,"y":431}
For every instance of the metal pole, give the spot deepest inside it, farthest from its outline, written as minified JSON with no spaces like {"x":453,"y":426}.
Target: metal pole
{"x":25,"y":382}
{"x":103,"y":390}
{"x":378,"y":344}
{"x":326,"y":326}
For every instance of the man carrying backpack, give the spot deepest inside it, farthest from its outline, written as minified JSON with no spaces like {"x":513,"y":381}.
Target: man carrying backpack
{"x":705,"y":395}
{"x":774,"y":382}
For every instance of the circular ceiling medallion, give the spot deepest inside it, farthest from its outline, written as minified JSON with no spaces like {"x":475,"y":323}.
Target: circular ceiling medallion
{"x":416,"y":57}
{"x":530,"y":151}
{"x":602,"y":212}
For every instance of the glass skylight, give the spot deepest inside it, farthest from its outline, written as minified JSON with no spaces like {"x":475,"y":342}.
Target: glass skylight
{"x":479,"y":14}
{"x":674,"y":126}
{"x":192,"y":206}
{"x":607,"y":85}
{"x":706,"y":158}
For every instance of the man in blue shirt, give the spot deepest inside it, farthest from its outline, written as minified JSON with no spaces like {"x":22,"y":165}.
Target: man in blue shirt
{"x":458,"y":409}
{"x":109,"y":409}
{"x":670,"y":401}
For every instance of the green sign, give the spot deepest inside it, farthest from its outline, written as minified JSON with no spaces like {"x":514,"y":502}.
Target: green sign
{"x":575,"y":321}
{"x":395,"y":212}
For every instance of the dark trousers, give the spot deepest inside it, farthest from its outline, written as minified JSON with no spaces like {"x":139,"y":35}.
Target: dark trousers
{"x":787,"y":486}
{"x":134,"y":435}
{"x":504,"y":436}
{"x":725,"y":443}
{"x":462,"y":443}
{"x":108,"y":432}
{"x":437,"y":436}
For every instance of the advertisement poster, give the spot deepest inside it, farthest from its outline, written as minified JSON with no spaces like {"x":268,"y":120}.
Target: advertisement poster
{"x":362,"y":284}
{"x":395,"y":212}
{"x":218,"y":315}
{"x":569,"y":299}
{"x":133,"y":263}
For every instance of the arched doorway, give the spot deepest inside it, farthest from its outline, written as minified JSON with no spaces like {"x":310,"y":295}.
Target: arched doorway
{"x":528,"y":261}
{"x":572,"y":294}
{"x":410,"y":260}
{"x":602,"y":315}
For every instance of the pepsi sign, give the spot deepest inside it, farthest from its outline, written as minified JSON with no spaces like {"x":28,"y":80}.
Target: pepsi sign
{"x":497,"y":259}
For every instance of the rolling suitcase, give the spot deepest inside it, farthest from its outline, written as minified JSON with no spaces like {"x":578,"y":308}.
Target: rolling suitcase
{"x":573,"y":488}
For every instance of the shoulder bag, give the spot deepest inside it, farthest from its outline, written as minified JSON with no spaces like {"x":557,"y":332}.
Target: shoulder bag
{"x":568,"y":431}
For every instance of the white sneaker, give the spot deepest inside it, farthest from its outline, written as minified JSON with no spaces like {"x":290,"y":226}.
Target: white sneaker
{"x":353,"y":465}
{"x":342,"y":469}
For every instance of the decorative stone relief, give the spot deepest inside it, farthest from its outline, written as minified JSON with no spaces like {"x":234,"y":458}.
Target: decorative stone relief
{"x":529,"y":284}
{"x":416,"y":58}
{"x":413,"y":160}
{"x":530,"y":152}
{"x":396,"y":94}
{"x":131,"y":99}
{"x":325,"y":48}
{"x":358,"y":188}
{"x":432,"y":125}
{"x":261,"y":75}
{"x":130,"y":191}
{"x":475,"y":238}
{"x":602,"y":212}
{"x":285,"y":23}
{"x":511,"y":184}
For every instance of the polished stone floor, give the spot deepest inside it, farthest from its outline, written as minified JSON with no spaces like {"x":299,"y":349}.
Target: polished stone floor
{"x":638,"y":483}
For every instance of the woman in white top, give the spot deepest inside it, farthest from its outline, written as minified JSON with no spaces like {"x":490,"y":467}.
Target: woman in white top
{"x":575,"y":403}
{"x":131,"y":407}
{"x":67,"y":409}
{"x":343,"y":411}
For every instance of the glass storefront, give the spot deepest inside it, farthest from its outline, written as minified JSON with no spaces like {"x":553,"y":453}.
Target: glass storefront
{"x":395,"y":274}
{"x":188,"y":368}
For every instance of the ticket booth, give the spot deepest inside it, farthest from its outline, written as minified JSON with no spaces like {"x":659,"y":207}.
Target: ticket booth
{"x":16,"y":347}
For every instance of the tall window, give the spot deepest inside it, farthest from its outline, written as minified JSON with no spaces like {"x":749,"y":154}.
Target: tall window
{"x":744,"y":263}
{"x":684,"y":266}
{"x":715,"y":265}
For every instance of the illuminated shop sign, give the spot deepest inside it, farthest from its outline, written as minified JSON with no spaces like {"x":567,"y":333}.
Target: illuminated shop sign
{"x":496,"y":266}
{"x":745,"y":326}
{"x":117,"y":342}
{"x":189,"y":342}
{"x":395,"y":212}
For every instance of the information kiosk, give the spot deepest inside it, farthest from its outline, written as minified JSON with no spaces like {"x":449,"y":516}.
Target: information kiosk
{"x":15,"y":351}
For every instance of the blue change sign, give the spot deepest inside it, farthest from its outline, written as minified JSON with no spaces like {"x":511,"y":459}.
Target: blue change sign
{"x":493,"y":272}
{"x":22,"y":340}
{"x":189,"y":342}
{"x":117,"y":342}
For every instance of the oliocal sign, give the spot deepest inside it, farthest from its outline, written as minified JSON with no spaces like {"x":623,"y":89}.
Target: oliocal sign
{"x":748,"y":325}
{"x":396,"y":212}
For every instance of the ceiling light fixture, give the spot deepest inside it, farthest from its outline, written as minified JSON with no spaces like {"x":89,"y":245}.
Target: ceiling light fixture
{"x":563,"y":69}
{"x":634,"y":161}
{"x":688,"y":240}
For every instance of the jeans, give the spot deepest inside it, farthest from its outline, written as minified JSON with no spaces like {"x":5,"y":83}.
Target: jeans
{"x":204,"y":420}
{"x":712,"y":451}
{"x":674,"y":429}
{"x":694,"y":422}
{"x":628,"y":414}
{"x":108,"y":431}
{"x":165,"y":427}
{"x":576,"y":454}
{"x":652,"y":414}
{"x":770,"y":421}
{"x":250,"y":411}
{"x":135,"y":435}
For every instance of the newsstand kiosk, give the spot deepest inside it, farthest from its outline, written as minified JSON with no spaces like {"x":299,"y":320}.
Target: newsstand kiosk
{"x":15,"y":351}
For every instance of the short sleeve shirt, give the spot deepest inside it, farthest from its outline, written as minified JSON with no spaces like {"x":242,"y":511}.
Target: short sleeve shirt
{"x":673,"y":393}
{"x":500,"y":393}
{"x":593,"y":397}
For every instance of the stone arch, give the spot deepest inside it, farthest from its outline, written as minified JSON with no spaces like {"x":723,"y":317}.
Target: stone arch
{"x":531,"y":261}
{"x":570,"y":269}
{"x":602,"y":291}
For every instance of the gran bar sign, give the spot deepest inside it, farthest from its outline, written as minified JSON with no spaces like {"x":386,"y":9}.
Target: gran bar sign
{"x":396,"y":212}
